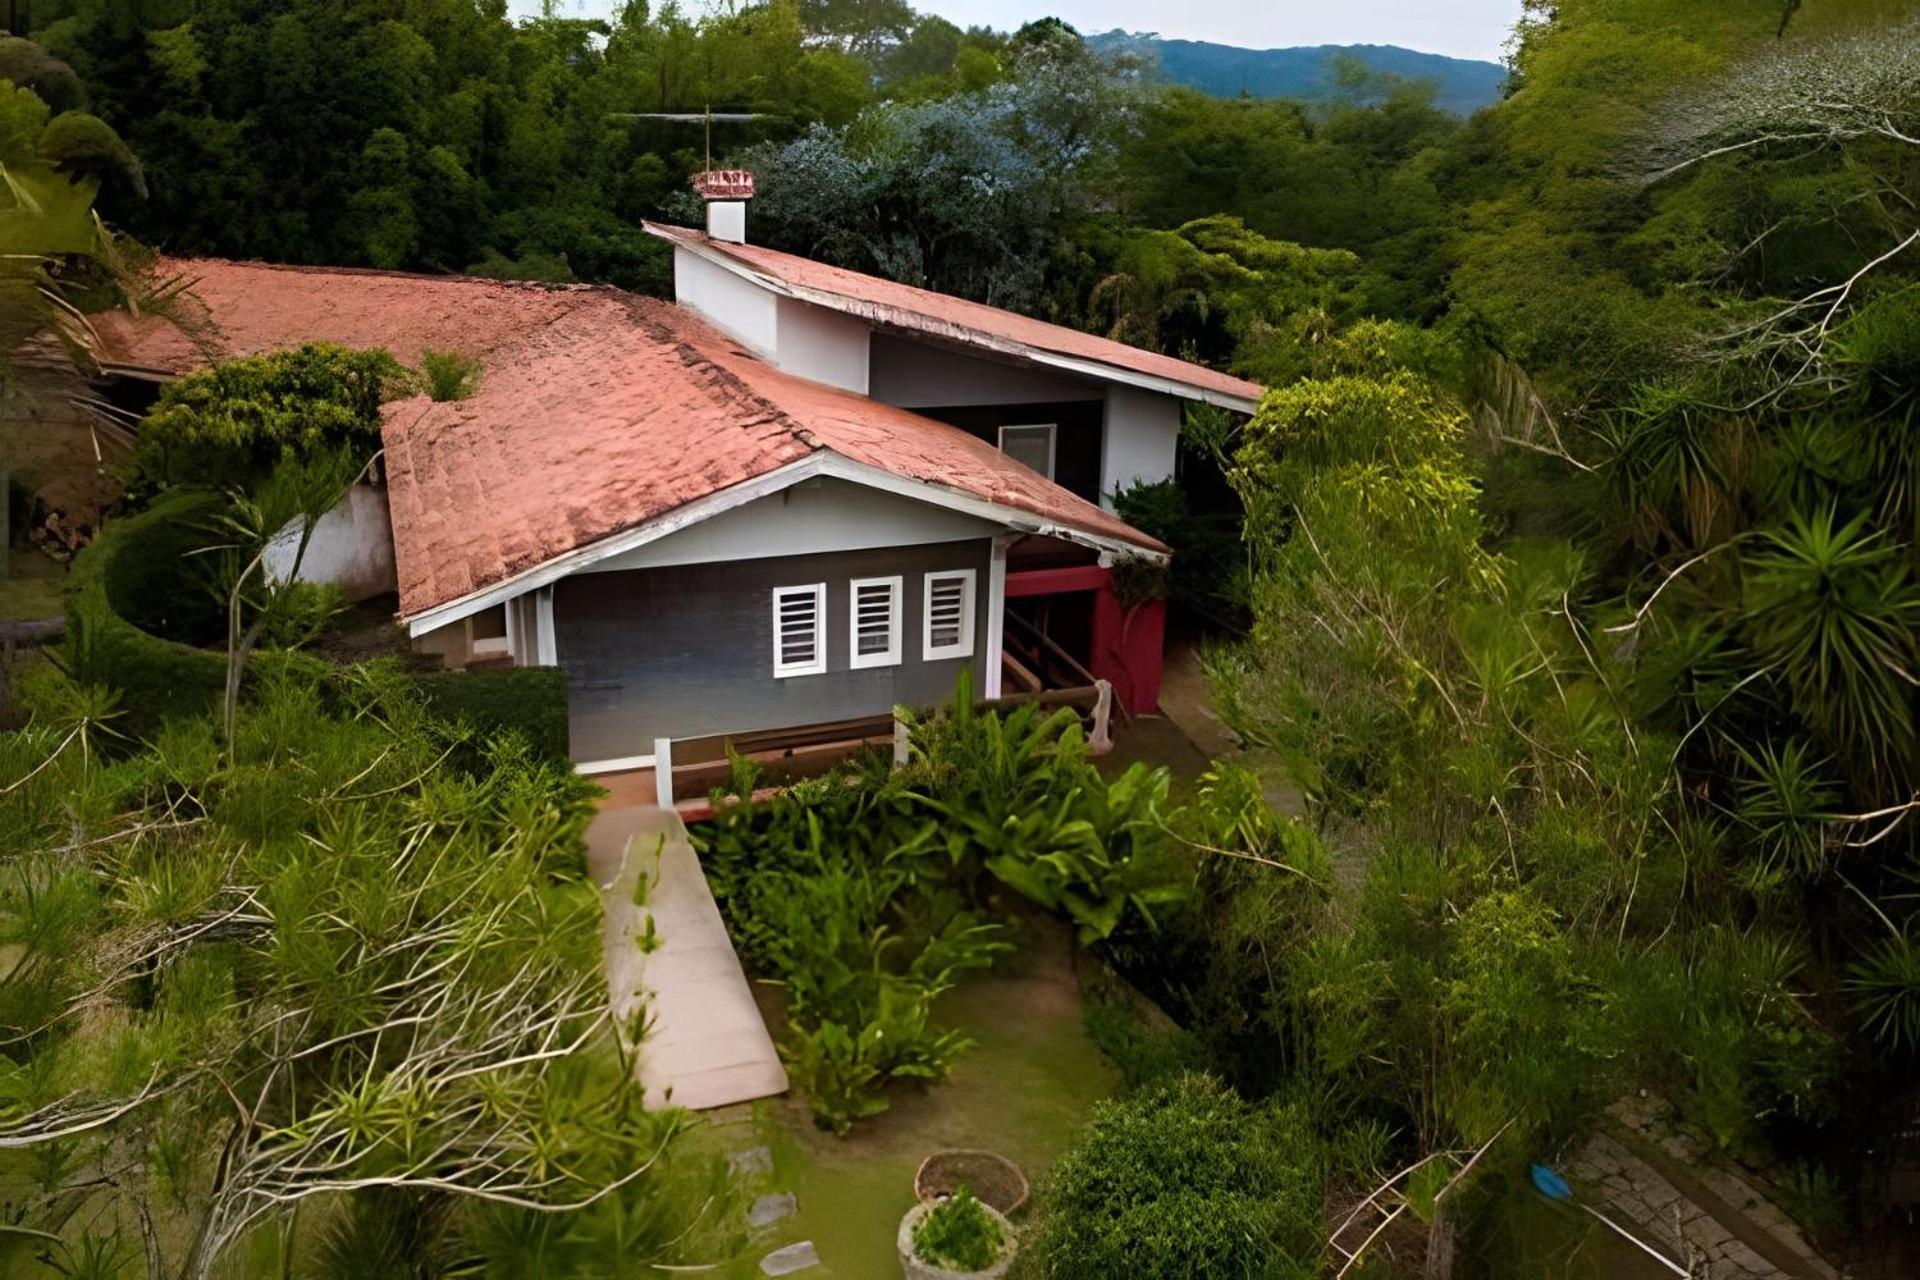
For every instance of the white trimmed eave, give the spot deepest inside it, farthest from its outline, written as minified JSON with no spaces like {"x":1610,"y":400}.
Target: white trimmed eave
{"x":911,"y":322}
{"x":821,"y":463}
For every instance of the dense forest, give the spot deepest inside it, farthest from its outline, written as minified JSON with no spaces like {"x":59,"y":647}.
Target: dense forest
{"x":1568,"y":568}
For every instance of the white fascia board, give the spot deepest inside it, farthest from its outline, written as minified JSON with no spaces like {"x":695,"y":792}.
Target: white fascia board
{"x":1094,"y":369}
{"x":551,"y":571}
{"x":847,"y":469}
{"x":822,"y":463}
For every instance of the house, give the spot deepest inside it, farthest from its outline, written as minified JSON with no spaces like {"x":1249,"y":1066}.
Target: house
{"x":797,"y":495}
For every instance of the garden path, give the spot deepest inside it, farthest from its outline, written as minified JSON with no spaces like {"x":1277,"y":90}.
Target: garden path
{"x":666,"y":949}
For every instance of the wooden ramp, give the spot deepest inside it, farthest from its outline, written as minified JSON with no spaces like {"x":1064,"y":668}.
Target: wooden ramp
{"x":705,"y":1044}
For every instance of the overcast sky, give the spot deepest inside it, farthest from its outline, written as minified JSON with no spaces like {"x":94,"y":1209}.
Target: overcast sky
{"x":1462,"y":28}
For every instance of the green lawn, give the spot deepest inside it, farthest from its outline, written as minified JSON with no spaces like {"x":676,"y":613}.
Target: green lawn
{"x":1024,"y":1091}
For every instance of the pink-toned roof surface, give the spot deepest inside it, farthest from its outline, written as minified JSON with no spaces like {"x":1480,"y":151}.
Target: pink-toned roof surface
{"x":955,"y":319}
{"x":245,"y":308}
{"x":597,"y":411}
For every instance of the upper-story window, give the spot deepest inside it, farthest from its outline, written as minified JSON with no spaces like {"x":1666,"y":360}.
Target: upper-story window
{"x":1032,"y":445}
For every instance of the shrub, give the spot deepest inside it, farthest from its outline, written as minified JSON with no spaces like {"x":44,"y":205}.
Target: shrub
{"x":448,"y":375}
{"x":1185,"y":1180}
{"x":959,"y":1234}
{"x":531,"y":700}
{"x":834,"y":888}
{"x":229,"y":426}
{"x":129,"y":607}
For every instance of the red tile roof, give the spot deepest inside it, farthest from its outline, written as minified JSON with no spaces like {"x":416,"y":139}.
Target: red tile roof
{"x":941,"y":315}
{"x":597,"y":411}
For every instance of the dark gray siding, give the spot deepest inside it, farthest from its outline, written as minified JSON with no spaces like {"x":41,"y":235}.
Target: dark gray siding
{"x":1076,"y":442}
{"x":687,"y":651}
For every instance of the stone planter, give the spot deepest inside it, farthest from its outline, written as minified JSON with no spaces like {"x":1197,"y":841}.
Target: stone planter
{"x":914,"y":1269}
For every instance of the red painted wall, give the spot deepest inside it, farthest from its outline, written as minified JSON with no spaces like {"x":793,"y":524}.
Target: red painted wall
{"x":1128,"y":643}
{"x":1128,"y":646}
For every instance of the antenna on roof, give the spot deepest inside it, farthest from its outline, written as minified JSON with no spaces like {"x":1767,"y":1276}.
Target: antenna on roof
{"x":726,"y":191}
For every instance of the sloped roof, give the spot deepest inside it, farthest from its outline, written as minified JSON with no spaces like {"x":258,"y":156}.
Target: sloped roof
{"x":597,"y":411}
{"x":952,"y":319}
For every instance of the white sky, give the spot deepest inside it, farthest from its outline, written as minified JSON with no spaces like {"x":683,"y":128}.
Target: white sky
{"x":1462,"y":28}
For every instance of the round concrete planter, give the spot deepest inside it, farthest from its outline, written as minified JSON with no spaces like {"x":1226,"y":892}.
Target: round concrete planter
{"x":914,"y":1269}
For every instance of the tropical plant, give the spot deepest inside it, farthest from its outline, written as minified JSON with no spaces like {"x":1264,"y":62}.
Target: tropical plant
{"x":959,"y":1234}
{"x":332,"y":963}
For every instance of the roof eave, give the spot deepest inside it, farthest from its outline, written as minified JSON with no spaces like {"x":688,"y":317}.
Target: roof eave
{"x":824,"y":462}
{"x":898,"y":318}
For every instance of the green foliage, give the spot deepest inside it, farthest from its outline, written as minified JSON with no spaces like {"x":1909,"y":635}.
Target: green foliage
{"x":449,"y":375}
{"x":231,"y":425}
{"x":867,"y":893}
{"x":530,"y":701}
{"x":1209,"y":575}
{"x":134,"y":615}
{"x":1185,"y":1180}
{"x":311,"y":885}
{"x":1021,"y":800}
{"x":1884,"y":981}
{"x":959,"y":1234}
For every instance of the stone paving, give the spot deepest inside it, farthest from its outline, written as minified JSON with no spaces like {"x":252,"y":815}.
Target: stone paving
{"x":1661,"y":1184}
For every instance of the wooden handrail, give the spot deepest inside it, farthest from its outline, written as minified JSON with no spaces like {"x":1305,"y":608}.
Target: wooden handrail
{"x":1051,"y":648}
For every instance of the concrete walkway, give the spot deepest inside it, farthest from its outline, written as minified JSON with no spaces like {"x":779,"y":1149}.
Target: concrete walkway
{"x":667,"y":950}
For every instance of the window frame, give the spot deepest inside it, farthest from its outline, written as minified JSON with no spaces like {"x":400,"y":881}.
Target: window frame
{"x":500,"y":646}
{"x":1053,"y":440}
{"x":896,"y":624}
{"x":783,"y":670}
{"x":962,"y":648}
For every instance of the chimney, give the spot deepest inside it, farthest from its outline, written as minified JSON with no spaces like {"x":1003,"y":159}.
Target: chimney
{"x":726,"y":192}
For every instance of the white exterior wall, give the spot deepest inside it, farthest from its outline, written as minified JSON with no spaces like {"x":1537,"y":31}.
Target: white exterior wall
{"x":351,"y":547}
{"x":915,"y":375}
{"x":813,"y":516}
{"x":825,"y":346}
{"x":1142,"y":437}
{"x":735,"y":306}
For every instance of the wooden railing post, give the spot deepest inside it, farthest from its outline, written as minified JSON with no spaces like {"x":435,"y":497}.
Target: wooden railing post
{"x":1100,"y":741}
{"x":663,"y":772}
{"x":902,"y":742}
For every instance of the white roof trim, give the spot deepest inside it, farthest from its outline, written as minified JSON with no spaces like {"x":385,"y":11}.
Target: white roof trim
{"x":821,"y":463}
{"x":873,"y":314}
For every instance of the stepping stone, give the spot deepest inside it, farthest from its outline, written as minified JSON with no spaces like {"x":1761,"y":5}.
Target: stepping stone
{"x":751,"y":1160}
{"x":792,"y":1258}
{"x":772,"y":1208}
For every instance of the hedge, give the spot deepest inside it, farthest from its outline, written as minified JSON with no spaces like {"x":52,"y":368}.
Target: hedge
{"x":129,"y":584}
{"x":530,"y":699}
{"x":133,"y":605}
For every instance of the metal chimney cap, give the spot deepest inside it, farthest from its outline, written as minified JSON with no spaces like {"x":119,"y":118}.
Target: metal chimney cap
{"x":724,"y":184}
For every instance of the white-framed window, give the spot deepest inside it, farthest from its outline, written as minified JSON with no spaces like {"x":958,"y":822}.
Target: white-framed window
{"x":1032,"y":445}
{"x":487,"y":633}
{"x":799,"y":630}
{"x":949,"y":616}
{"x":874,"y":608}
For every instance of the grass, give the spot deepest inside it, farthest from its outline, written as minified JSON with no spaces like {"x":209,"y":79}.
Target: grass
{"x":31,"y":589}
{"x":1024,"y":1091}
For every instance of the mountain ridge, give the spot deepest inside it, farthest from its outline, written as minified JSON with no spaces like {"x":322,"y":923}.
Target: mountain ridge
{"x":1306,"y":72}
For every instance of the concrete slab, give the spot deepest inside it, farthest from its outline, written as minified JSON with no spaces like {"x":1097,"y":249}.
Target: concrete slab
{"x":792,"y":1258}
{"x":706,"y":1045}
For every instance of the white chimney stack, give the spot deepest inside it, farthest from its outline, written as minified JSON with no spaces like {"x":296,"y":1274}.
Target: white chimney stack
{"x":726,"y":192}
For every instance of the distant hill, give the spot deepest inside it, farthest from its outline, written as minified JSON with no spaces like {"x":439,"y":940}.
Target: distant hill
{"x":1306,"y":72}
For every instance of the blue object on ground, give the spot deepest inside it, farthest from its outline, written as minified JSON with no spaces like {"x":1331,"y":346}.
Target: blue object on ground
{"x":1551,"y":1184}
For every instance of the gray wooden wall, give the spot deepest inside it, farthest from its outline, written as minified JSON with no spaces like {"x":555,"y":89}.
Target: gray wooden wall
{"x":687,"y":651}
